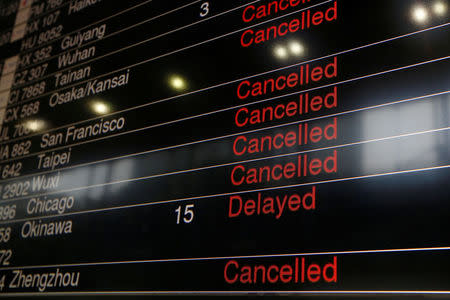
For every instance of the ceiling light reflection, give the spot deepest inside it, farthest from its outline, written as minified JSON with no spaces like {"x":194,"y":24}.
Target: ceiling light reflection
{"x":439,"y":8}
{"x":281,"y":52}
{"x":420,"y":14}
{"x":100,"y":108}
{"x":177,"y":82}
{"x":296,"y":48}
{"x":35,"y":125}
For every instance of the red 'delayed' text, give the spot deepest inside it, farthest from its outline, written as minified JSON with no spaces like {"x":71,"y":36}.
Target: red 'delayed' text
{"x":277,"y":205}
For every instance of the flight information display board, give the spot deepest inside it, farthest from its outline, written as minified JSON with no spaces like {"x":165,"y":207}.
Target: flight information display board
{"x":268,"y":147}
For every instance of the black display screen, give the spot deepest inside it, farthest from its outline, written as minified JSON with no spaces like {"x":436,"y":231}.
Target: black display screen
{"x":225,"y":148}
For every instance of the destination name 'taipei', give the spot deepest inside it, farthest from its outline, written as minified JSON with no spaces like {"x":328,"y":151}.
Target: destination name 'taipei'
{"x":91,"y":88}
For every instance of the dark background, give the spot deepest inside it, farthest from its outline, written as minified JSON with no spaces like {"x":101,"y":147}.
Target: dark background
{"x":387,"y":212}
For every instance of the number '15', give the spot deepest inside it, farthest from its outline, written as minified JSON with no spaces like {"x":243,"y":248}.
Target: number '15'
{"x":188,"y":215}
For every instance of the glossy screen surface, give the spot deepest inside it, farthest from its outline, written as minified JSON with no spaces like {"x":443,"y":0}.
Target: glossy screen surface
{"x":290,"y":147}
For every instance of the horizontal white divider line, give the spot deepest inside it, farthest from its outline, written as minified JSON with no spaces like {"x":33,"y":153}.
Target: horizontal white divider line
{"x":228,"y":293}
{"x":72,"y":32}
{"x":16,"y":87}
{"x":93,"y":42}
{"x":231,"y":82}
{"x":220,"y":84}
{"x":226,"y":109}
{"x":162,"y":55}
{"x":229,"y":164}
{"x":65,"y":2}
{"x":115,"y":51}
{"x":258,"y":256}
{"x":162,"y":202}
{"x":195,"y":142}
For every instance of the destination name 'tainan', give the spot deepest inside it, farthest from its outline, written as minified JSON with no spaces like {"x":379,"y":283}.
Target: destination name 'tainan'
{"x":91,"y":88}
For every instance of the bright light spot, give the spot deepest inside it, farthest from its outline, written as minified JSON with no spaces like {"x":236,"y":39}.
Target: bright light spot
{"x":177,"y":82}
{"x":100,"y":108}
{"x":35,"y":125}
{"x":439,"y":8}
{"x":296,"y":48}
{"x":281,"y":52}
{"x":420,"y":14}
